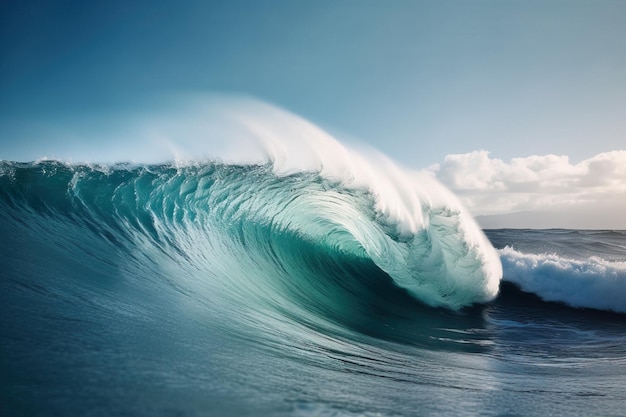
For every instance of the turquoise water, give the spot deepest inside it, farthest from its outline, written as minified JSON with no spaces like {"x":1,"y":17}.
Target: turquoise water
{"x":228,"y":290}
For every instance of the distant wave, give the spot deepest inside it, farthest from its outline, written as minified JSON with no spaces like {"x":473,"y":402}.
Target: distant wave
{"x":590,"y":283}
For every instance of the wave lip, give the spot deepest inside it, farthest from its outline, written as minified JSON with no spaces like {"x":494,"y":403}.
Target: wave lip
{"x":592,"y":283}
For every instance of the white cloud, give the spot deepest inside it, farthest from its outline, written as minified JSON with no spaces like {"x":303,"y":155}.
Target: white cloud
{"x":541,"y":183}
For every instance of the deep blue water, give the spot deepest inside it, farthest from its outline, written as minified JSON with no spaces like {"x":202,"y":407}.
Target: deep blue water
{"x":221,"y":290}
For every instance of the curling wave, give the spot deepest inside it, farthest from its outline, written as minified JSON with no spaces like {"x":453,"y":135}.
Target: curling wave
{"x":275,"y":234}
{"x":284,"y":183}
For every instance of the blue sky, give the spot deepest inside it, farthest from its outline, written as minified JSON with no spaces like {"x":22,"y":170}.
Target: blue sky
{"x":417,"y":80}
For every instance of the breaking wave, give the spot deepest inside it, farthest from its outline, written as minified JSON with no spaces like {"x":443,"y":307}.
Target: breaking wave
{"x":592,"y":283}
{"x":261,"y":232}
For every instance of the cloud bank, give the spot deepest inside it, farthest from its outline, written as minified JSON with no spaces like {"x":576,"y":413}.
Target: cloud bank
{"x":540,"y":191}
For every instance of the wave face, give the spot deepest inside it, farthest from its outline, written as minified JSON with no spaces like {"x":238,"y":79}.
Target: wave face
{"x":285,"y":182}
{"x":294,"y":231}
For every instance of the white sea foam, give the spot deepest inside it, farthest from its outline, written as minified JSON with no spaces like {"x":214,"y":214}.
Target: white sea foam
{"x":593,"y":283}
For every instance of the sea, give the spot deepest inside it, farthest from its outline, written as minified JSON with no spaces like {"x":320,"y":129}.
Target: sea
{"x":222,"y":289}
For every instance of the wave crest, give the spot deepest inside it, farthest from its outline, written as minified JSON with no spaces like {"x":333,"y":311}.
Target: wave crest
{"x":591,"y":283}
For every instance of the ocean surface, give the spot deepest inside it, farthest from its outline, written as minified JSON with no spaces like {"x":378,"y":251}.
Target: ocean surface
{"x":215,"y":289}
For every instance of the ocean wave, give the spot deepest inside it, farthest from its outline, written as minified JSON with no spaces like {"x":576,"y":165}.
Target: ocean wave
{"x":284,"y":183}
{"x":274,"y":233}
{"x":590,"y":283}
{"x":295,"y":282}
